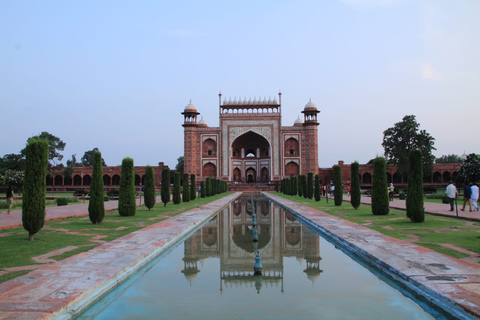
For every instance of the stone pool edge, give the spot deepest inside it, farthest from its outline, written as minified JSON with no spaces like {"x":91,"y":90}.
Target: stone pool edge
{"x":447,"y":283}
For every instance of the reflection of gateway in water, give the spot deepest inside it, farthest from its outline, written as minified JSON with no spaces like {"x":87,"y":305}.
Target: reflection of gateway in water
{"x":229,"y":237}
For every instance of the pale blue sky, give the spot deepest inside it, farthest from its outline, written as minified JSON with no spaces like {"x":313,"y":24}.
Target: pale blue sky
{"x":117,"y":74}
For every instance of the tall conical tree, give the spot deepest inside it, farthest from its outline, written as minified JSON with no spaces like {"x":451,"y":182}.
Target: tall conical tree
{"x":317,"y":188}
{"x":355,"y":187}
{"x":96,"y":205}
{"x":380,"y":202}
{"x":193,"y":187}
{"x":203,"y":192}
{"x":310,"y":185}
{"x":127,"y":198}
{"x":176,"y":188}
{"x":415,"y":206}
{"x":34,"y":186}
{"x":300,"y":190}
{"x":337,"y":182}
{"x":186,"y":188}
{"x":165,"y":191}
{"x":208,"y":187}
{"x":149,"y":193}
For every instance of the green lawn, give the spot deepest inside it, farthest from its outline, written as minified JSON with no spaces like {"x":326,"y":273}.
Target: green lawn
{"x":16,"y":250}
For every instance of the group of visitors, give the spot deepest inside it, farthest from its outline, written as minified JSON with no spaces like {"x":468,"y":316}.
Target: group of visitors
{"x":470,"y":195}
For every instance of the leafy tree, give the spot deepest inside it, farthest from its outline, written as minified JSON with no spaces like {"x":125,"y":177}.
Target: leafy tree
{"x":337,"y":182}
{"x":127,"y":198}
{"x":73,"y":162}
{"x":87,"y":159}
{"x":186,"y":188}
{"x":380,"y":201}
{"x":193,"y":187}
{"x":403,"y":137}
{"x":165,"y":192}
{"x":451,"y":158}
{"x":355,"y":185}
{"x":176,"y":188}
{"x":35,"y":186}
{"x":14,"y":179}
{"x":415,"y":208}
{"x":470,"y":169}
{"x":96,"y":205}
{"x":14,"y":162}
{"x":149,"y":193}
{"x":317,"y":187}
{"x":54,"y":146}
{"x":179,"y":166}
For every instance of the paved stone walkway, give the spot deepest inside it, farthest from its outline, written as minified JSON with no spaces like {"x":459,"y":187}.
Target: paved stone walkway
{"x":56,"y":213}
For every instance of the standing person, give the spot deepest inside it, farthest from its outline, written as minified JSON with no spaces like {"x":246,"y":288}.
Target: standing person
{"x":10,"y":199}
{"x":451,"y":193}
{"x":348,"y":190}
{"x":467,"y":195}
{"x":474,"y":196}
{"x":391,"y":191}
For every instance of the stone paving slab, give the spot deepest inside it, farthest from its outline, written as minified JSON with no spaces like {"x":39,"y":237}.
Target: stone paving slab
{"x":61,"y":289}
{"x":445,"y":281}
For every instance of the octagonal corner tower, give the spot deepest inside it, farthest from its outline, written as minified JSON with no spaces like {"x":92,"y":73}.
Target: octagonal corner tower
{"x":250,"y":145}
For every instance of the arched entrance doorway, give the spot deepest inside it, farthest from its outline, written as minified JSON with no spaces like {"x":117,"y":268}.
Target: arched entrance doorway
{"x":250,"y":158}
{"x":251,"y":175}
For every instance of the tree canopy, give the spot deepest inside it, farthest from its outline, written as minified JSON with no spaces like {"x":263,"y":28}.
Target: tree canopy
{"x":12,"y":162}
{"x":451,"y":158}
{"x":470,"y":170}
{"x":54,"y":146}
{"x":87,"y":159}
{"x":405,"y":136}
{"x":179,"y":166}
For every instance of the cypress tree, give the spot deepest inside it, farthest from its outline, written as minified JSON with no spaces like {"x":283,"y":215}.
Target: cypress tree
{"x":294,"y":182}
{"x":317,"y":187}
{"x":35,"y":186}
{"x":310,"y":185}
{"x":96,"y":205}
{"x":176,"y":188}
{"x":149,"y":193}
{"x":203,"y":192}
{"x":337,"y":182}
{"x":186,"y":188}
{"x":304,"y":186}
{"x":127,"y":197}
{"x":415,"y":207}
{"x":355,"y":186}
{"x":208,"y":187}
{"x":165,"y":192}
{"x":288,"y":186}
{"x":276,"y":186}
{"x":380,"y":202}
{"x":282,"y":186}
{"x":193,"y":187}
{"x":300,"y":186}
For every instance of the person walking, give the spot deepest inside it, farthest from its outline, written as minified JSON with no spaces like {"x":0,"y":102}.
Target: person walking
{"x":474,"y":196}
{"x":451,"y":193}
{"x":391,"y":191}
{"x":10,"y":199}
{"x":467,"y":195}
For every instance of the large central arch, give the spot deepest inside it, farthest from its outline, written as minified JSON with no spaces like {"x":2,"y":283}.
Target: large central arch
{"x":250,"y":151}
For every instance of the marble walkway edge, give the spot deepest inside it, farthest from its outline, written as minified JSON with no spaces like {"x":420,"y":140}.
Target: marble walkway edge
{"x":447,"y":283}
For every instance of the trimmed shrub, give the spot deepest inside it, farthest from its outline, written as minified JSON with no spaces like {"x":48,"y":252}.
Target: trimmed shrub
{"x":96,"y":205}
{"x":401,"y":195}
{"x":380,"y":201}
{"x":310,"y":185}
{"x":415,"y":208}
{"x":176,"y":188}
{"x":149,"y":191}
{"x":127,"y":202}
{"x":113,"y":192}
{"x":355,"y":195}
{"x":317,"y":188}
{"x":79,"y":193}
{"x":445,"y":198}
{"x":165,"y":191}
{"x":337,"y":182}
{"x":193,"y":187}
{"x":63,"y":201}
{"x":106,"y":198}
{"x":35,"y":186}
{"x":429,"y":189}
{"x":186,"y":188}
{"x":203,"y":192}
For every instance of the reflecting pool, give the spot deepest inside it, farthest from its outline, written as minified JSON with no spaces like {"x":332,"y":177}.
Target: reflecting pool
{"x":210,"y":276}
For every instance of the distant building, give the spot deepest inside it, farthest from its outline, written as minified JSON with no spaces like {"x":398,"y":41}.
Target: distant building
{"x":250,"y":145}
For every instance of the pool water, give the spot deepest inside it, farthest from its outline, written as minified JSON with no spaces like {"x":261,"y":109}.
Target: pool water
{"x":210,"y":276}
